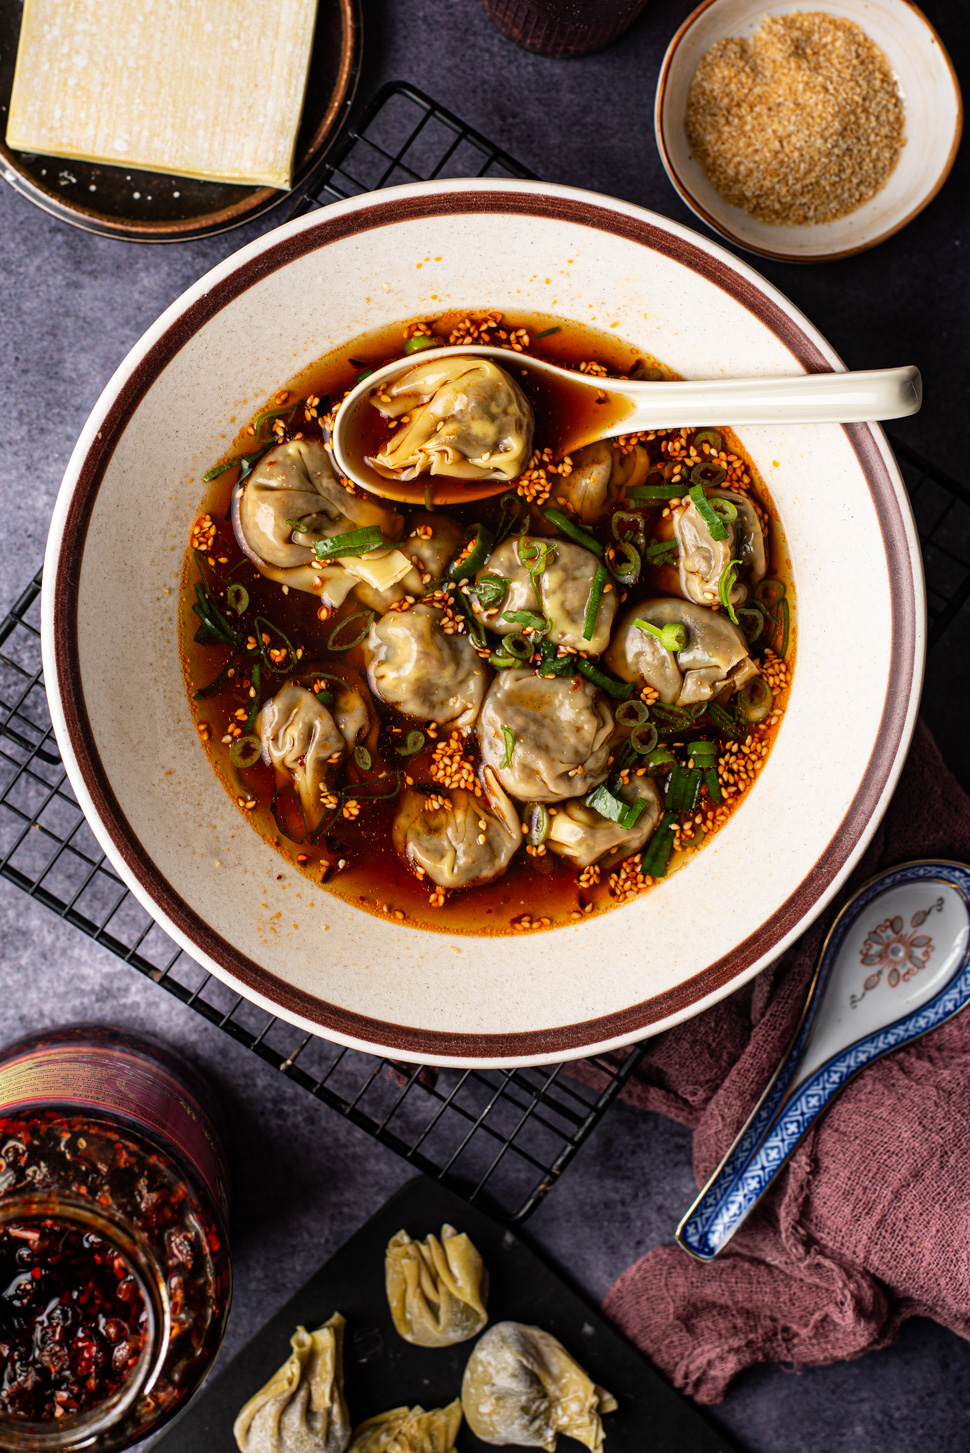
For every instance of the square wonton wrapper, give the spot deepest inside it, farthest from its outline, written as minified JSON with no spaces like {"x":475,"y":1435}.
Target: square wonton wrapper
{"x":196,"y":88}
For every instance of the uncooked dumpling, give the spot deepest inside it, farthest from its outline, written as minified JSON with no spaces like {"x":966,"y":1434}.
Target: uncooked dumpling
{"x":564,"y":584}
{"x":454,"y":837}
{"x":713,"y":662}
{"x":409,"y":1430}
{"x":417,"y":666}
{"x":301,"y":1409}
{"x":545,"y":737}
{"x":300,"y":739}
{"x":584,"y":836}
{"x":468,"y":420}
{"x":521,"y":1386}
{"x":434,"y":1288}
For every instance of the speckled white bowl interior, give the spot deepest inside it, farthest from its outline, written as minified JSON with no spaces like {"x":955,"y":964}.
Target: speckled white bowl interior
{"x":115,"y":680}
{"x":933,"y":123}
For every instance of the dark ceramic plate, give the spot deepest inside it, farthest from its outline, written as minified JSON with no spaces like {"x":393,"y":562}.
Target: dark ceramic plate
{"x":146,"y":206}
{"x":382,"y":1371}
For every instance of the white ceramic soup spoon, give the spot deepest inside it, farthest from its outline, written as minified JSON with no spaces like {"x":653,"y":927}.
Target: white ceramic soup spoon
{"x":630,"y":405}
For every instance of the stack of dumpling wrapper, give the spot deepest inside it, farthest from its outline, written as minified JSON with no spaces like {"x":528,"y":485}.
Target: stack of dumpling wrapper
{"x":196,"y":88}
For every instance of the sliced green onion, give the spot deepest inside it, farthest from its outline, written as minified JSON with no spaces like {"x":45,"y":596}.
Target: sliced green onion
{"x":299,"y":527}
{"x":644,"y":738}
{"x":710,"y":437}
{"x":619,"y":690}
{"x":702,"y":751}
{"x":660,"y":761}
{"x":245,"y":751}
{"x":716,"y":529}
{"x":491,"y":590}
{"x":713,"y":784}
{"x":626,"y":572}
{"x":220,"y":682}
{"x":415,"y":741}
{"x":501,"y":661}
{"x":333,"y":644}
{"x":206,"y":636}
{"x":575,"y":532}
{"x":259,"y":624}
{"x":725,"y":509}
{"x":292,"y":798}
{"x":673,"y":637}
{"x":511,"y":509}
{"x":642,"y":369}
{"x":476,"y":630}
{"x":653,"y":491}
{"x":539,"y":823}
{"x":361,"y":791}
{"x":679,"y":716}
{"x":428,"y":505}
{"x":726,"y":722}
{"x":683,"y":789}
{"x":363,"y":758}
{"x":755,"y":699}
{"x":529,"y":619}
{"x":482,"y":543}
{"x":725,"y":585}
{"x":656,"y":858}
{"x":324,"y":697}
{"x":238,"y":597}
{"x":784,"y":621}
{"x":552,"y":664}
{"x":244,"y":464}
{"x":751,"y":619}
{"x":631,"y":713}
{"x":268,"y":414}
{"x":770,"y":593}
{"x":519,"y":646}
{"x":546,"y":333}
{"x":626,"y":518}
{"x":218,"y":469}
{"x":351,"y":542}
{"x":509,"y":739}
{"x":707,"y":474}
{"x":255,"y":686}
{"x":608,"y":805}
{"x":662,"y":552}
{"x":594,"y":601}
{"x":419,"y":342}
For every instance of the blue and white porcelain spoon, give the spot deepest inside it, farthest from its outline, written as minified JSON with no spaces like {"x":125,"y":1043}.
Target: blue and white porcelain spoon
{"x":895,"y":964}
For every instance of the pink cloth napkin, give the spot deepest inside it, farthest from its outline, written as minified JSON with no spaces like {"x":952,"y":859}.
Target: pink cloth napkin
{"x":869,"y":1224}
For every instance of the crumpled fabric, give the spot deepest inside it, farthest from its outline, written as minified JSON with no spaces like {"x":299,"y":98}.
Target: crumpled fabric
{"x":870,"y":1221}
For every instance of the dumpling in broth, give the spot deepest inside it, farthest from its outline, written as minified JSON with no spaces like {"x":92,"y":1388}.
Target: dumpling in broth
{"x":301,"y":1409}
{"x":300,"y":739}
{"x":564,"y":585}
{"x":442,"y":835}
{"x":433,"y":542}
{"x":583,"y":835}
{"x":545,"y":737}
{"x":521,"y":1386}
{"x":415,"y":665}
{"x":409,"y":1430}
{"x":468,"y":419}
{"x":434,"y":1288}
{"x":702,"y":560}
{"x":293,"y":499}
{"x":600,"y":474}
{"x":714,"y":661}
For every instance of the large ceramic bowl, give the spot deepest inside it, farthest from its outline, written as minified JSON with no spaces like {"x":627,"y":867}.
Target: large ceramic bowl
{"x":115,"y":680}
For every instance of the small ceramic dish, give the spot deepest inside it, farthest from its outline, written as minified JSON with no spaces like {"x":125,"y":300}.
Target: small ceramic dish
{"x":933,"y":124}
{"x":114,"y":674}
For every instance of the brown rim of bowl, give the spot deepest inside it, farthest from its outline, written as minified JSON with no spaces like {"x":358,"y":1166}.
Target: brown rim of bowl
{"x":251,"y":204}
{"x":722,"y":229}
{"x":636,"y":1019}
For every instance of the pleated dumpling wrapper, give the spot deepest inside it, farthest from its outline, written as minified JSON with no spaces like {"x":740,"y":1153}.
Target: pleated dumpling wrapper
{"x":521,"y":1386}
{"x":410,"y":1430}
{"x":301,"y":1409}
{"x":435,"y":1288}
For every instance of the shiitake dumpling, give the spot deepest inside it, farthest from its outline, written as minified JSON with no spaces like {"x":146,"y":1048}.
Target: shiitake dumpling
{"x":702,"y":560}
{"x":468,"y":420}
{"x":301,"y":1409}
{"x":301,"y":739}
{"x":714,"y":662}
{"x":415,"y":665}
{"x":545,"y":737}
{"x":583,"y":835}
{"x":443,"y":835}
{"x":409,"y":1430}
{"x":435,"y":1288}
{"x":521,"y":1386}
{"x":564,"y":584}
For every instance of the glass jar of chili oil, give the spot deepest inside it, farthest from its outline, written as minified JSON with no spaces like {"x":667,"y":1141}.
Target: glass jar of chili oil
{"x":114,"y":1263}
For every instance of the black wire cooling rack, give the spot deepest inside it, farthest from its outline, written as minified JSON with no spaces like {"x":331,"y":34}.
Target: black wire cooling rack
{"x":502,"y":1136}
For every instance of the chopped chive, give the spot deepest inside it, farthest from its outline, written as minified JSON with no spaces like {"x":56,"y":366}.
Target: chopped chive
{"x":509,"y":739}
{"x":564,"y":523}
{"x":593,"y":603}
{"x":333,"y":643}
{"x":725,"y":585}
{"x":654,"y":491}
{"x":673,"y":636}
{"x":608,"y":805}
{"x":255,"y":686}
{"x":546,"y":333}
{"x":656,"y":858}
{"x":529,"y":619}
{"x":481,"y":542}
{"x":351,"y":542}
{"x":511,"y":509}
{"x":716,"y":529}
{"x":661,"y":552}
{"x":683,"y":789}
{"x":501,"y":661}
{"x":620,"y":690}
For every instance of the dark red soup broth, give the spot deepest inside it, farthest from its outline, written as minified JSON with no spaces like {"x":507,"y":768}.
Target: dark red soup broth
{"x":355,"y":857}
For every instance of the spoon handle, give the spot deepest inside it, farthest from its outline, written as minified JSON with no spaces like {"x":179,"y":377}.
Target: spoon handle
{"x":812,"y":398}
{"x":790,"y":1106}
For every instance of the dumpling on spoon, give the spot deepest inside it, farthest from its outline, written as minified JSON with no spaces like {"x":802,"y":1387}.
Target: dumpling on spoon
{"x":467,"y":419}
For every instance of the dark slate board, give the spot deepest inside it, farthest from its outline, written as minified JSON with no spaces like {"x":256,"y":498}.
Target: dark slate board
{"x":383,"y":1371}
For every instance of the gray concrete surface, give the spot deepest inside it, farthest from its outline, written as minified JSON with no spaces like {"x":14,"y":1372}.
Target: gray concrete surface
{"x":72,"y":304}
